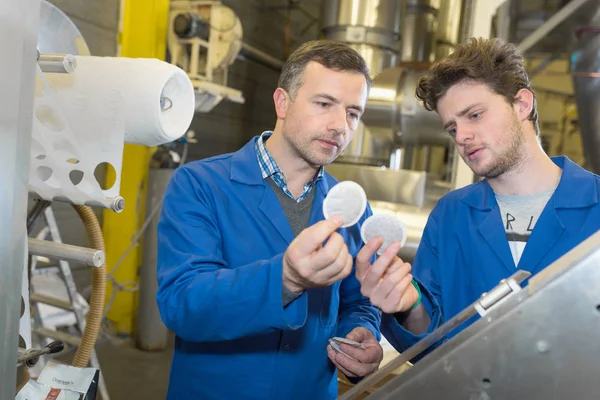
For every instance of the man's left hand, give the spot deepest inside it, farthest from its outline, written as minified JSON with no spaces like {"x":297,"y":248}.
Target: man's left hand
{"x":366,"y":361}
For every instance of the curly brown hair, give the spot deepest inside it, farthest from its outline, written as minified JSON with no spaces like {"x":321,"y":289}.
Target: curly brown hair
{"x":496,"y":63}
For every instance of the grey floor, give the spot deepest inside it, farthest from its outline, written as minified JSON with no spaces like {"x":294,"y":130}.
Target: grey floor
{"x":130,"y":373}
{"x":134,"y":374}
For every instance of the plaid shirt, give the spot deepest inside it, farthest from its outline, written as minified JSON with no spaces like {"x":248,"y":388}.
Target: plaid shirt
{"x":269,"y":168}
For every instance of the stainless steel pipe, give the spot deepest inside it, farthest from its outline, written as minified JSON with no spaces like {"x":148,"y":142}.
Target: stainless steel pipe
{"x":66,"y":252}
{"x":57,"y":63}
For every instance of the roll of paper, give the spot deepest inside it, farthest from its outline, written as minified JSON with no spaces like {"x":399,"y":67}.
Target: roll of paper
{"x":158,"y":97}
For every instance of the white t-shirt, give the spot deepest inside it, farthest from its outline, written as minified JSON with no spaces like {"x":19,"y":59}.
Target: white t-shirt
{"x":519,"y":215}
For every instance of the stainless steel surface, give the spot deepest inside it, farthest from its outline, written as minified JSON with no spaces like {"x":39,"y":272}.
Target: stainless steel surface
{"x":57,"y":63}
{"x":380,"y":14}
{"x":362,"y":35}
{"x":370,"y":147}
{"x":404,"y":187}
{"x":466,"y":20}
{"x":539,"y":344}
{"x":448,"y":29}
{"x":395,"y":127}
{"x":585,"y":70}
{"x":429,"y":340}
{"x":419,"y":28}
{"x":377,"y":58}
{"x":371,"y":27}
{"x":569,"y":9}
{"x":57,"y":34}
{"x":66,"y":252}
{"x":152,"y":334}
{"x":19,"y":23}
{"x":393,"y":112}
{"x":503,"y":16}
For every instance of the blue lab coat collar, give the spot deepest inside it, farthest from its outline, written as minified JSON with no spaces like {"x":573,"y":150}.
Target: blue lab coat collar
{"x":246,"y":171}
{"x":576,"y":189}
{"x":577,"y":192}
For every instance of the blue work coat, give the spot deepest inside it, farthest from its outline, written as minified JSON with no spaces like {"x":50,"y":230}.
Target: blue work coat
{"x":464,"y":251}
{"x":221,"y":240}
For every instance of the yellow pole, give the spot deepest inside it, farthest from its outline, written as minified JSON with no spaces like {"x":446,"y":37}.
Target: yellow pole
{"x":143,"y":33}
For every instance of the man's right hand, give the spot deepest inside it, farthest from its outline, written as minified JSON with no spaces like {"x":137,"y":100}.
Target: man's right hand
{"x":307,"y":263}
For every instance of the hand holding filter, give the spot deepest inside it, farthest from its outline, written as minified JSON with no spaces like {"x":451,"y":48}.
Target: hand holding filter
{"x":386,"y":226}
{"x":346,"y":199}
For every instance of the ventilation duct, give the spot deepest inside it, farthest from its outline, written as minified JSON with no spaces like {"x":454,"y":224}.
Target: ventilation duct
{"x":419,"y":28}
{"x":585,"y":69}
{"x":371,"y":27}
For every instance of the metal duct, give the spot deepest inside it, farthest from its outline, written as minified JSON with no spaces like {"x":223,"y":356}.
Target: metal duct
{"x":449,"y":24}
{"x":465,"y":30}
{"x":395,"y":124}
{"x":394,"y":117}
{"x":419,"y":27}
{"x":585,"y":68}
{"x":371,"y":27}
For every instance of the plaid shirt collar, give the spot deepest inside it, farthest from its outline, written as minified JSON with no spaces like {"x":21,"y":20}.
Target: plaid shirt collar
{"x":269,"y":168}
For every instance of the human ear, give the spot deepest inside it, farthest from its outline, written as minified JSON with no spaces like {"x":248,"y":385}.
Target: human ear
{"x":523,"y":103}
{"x":281,"y":99}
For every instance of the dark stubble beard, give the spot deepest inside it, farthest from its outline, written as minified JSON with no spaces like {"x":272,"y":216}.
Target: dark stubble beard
{"x":512,"y":157}
{"x":303,"y":149}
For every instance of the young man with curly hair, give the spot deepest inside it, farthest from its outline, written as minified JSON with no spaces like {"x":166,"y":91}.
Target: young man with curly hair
{"x":527,"y":211}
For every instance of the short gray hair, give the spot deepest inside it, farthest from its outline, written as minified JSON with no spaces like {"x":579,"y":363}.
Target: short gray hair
{"x":330,"y":54}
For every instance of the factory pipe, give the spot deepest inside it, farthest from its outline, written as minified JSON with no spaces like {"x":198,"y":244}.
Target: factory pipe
{"x":253,"y":54}
{"x":371,"y":27}
{"x":585,"y":71}
{"x":67,"y":252}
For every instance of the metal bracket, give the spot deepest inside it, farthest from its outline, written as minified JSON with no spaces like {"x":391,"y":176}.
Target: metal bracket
{"x":31,"y":357}
{"x":498,"y":295}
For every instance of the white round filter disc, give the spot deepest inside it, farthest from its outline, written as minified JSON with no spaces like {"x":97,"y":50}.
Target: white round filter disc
{"x":386,"y":226}
{"x":346,"y":199}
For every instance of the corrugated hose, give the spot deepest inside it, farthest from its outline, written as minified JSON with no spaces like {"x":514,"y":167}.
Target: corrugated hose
{"x":94,"y":316}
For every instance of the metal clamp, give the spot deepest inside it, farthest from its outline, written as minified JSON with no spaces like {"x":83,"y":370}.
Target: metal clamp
{"x":31,"y":357}
{"x":499,"y":294}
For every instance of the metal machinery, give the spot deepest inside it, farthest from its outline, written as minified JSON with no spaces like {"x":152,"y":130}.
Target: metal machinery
{"x":36,"y":163}
{"x":537,"y":342}
{"x":397,"y":151}
{"x":204,"y":38}
{"x":49,"y":153}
